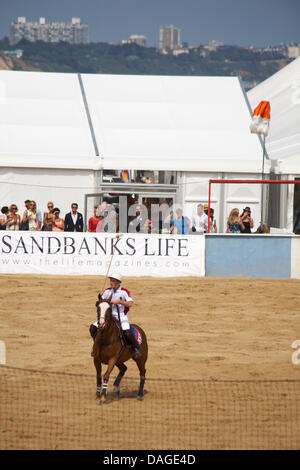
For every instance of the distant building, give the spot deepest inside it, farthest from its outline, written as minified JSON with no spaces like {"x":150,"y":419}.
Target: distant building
{"x":73,"y":33}
{"x":16,"y":53}
{"x":169,"y":38}
{"x":180,"y":51}
{"x":213,"y":45}
{"x":139,"y":40}
{"x":293,"y":51}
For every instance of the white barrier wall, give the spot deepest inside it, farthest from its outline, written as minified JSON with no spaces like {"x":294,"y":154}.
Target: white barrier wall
{"x":224,"y":255}
{"x":91,"y":253}
{"x":295,"y":257}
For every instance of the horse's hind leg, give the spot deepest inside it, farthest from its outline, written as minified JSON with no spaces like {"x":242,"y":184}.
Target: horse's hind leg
{"x":122,"y":368}
{"x":141,"y":366}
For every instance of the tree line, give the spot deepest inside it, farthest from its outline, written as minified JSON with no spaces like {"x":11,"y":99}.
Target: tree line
{"x":134,"y":59}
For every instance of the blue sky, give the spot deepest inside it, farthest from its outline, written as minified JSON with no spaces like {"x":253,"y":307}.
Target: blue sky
{"x":236,"y":22}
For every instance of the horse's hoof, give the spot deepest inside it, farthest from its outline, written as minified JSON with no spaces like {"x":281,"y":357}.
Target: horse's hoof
{"x":140,"y":397}
{"x":116,"y":389}
{"x":102,"y":398}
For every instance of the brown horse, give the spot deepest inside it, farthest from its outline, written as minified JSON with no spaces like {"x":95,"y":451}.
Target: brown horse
{"x":109,"y":348}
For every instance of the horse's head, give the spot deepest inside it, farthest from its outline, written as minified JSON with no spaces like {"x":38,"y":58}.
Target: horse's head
{"x":104,"y":311}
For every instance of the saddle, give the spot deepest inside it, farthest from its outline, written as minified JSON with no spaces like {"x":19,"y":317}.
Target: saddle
{"x":134,"y":330}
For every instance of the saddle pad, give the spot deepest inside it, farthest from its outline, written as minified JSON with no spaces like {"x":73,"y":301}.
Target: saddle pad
{"x":137,"y":334}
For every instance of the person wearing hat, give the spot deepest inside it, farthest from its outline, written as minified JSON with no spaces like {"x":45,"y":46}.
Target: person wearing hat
{"x":199,"y":220}
{"x":247,"y":220}
{"x":121,"y":302}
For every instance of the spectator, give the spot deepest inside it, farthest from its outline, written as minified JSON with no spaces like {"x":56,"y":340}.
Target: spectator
{"x":212,"y":222}
{"x":199,"y":220}
{"x":247,"y":220}
{"x":95,"y":220}
{"x":25,"y":223}
{"x":103,"y":209}
{"x":32,"y":217}
{"x":182,"y":224}
{"x":3,"y":217}
{"x":58,"y":224}
{"x":109,"y":223}
{"x":263,"y":228}
{"x":168,"y":222}
{"x":234,"y":222}
{"x":48,"y":218}
{"x":139,"y":223}
{"x":74,"y":220}
{"x":39,"y":214}
{"x":13,"y":220}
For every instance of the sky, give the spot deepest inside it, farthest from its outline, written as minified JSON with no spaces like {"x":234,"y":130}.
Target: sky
{"x":233,"y":22}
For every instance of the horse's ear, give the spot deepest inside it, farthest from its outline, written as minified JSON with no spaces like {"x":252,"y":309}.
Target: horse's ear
{"x":109,"y":299}
{"x":99,"y":297}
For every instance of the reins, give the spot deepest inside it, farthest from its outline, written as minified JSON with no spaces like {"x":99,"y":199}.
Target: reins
{"x":107,"y":343}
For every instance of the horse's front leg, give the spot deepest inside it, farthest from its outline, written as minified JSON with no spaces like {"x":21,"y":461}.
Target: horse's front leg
{"x":111,"y":364}
{"x":98,"y":377}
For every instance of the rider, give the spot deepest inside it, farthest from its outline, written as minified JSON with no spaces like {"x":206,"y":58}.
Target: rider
{"x":121,"y":301}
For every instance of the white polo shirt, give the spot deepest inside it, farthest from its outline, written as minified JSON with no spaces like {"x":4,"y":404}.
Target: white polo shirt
{"x":200,"y":222}
{"x":119,"y":294}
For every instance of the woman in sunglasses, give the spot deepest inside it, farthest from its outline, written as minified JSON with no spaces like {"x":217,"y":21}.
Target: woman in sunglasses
{"x":48,"y":218}
{"x":13,"y":218}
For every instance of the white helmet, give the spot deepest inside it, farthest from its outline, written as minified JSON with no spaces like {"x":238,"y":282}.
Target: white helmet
{"x":116,"y":276}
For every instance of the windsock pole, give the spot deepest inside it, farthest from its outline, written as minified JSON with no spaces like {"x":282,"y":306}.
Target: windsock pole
{"x":262,"y":186}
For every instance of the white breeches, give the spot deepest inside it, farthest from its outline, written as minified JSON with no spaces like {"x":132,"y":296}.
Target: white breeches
{"x":125,"y":325}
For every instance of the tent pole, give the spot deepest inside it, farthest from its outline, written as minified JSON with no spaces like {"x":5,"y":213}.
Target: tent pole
{"x":209,"y":197}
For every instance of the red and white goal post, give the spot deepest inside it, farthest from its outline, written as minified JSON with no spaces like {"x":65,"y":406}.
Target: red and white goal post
{"x":239,"y":181}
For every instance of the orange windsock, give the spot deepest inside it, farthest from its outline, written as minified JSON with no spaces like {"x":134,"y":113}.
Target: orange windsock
{"x":263,"y":110}
{"x":261,"y":118}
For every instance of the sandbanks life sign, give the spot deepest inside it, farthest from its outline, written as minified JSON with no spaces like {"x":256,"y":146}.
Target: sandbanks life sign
{"x":91,"y":253}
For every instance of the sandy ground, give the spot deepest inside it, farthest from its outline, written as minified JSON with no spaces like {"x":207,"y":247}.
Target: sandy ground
{"x":197,"y":328}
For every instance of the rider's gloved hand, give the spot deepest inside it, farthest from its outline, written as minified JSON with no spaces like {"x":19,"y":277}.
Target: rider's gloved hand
{"x":98,"y":301}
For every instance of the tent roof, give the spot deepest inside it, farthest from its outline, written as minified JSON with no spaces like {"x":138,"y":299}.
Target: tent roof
{"x":283,"y":91}
{"x":126,"y":121}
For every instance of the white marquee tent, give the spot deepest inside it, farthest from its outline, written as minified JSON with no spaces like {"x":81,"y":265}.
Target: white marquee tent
{"x":283,"y":91}
{"x":283,"y":142}
{"x":57,"y":131}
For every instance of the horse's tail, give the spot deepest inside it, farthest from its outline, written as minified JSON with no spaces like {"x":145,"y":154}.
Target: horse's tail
{"x":144,"y":343}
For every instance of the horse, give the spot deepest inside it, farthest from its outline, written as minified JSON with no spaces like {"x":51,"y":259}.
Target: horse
{"x":109,"y":348}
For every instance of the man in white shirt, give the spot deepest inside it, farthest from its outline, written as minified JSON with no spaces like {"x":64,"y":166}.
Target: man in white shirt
{"x":199,"y":221}
{"x":121,"y":301}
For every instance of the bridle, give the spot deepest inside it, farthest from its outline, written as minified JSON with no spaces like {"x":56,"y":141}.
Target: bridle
{"x":102,"y":323}
{"x":101,"y":312}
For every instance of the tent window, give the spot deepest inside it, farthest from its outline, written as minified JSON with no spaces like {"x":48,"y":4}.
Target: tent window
{"x":139,"y":176}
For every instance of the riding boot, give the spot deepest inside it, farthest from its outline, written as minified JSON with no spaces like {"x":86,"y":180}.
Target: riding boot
{"x":134,"y":343}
